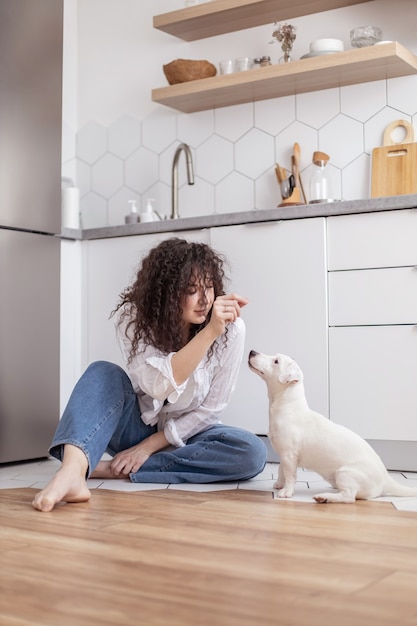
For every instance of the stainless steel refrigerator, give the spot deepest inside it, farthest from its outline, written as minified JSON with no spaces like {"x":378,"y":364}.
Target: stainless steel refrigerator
{"x":31,"y":37}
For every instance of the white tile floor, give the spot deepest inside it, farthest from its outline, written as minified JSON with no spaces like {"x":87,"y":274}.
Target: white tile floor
{"x":36,"y":474}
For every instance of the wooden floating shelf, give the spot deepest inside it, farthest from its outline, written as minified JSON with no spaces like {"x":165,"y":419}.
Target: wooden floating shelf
{"x":227,"y":16}
{"x":384,"y":61}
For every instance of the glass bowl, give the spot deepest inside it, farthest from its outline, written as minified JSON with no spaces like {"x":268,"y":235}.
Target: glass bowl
{"x":362,"y":36}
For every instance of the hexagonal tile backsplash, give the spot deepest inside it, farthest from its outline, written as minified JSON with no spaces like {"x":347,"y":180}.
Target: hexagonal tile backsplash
{"x":234,"y":151}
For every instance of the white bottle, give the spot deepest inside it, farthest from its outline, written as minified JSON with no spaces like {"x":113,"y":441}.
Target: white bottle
{"x":133,"y":216}
{"x":148,"y":214}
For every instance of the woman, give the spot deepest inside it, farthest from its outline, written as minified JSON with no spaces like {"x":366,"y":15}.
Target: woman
{"x":183,"y":340}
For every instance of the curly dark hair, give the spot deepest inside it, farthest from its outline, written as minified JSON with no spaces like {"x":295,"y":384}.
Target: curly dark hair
{"x":153,"y":301}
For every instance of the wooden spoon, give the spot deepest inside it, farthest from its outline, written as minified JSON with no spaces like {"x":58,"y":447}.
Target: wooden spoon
{"x":297,"y":154}
{"x":281,"y":174}
{"x":297,"y":157}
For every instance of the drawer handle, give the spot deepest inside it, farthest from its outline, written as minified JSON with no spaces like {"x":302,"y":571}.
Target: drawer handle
{"x":267,"y":223}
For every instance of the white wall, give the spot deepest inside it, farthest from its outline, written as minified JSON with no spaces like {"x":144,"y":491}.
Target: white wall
{"x":124,"y":143}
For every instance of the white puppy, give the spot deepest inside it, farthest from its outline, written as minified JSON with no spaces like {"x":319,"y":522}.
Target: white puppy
{"x":304,"y":438}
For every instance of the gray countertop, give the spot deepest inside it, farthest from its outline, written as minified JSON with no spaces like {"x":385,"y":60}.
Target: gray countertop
{"x":345,"y":207}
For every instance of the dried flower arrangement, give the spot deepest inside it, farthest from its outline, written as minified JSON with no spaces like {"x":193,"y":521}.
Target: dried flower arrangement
{"x":285,"y":34}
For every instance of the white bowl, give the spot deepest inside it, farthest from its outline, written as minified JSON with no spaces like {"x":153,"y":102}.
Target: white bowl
{"x":310,"y":55}
{"x":324,"y":45}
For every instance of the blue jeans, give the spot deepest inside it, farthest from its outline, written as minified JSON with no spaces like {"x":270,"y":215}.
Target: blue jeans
{"x":103,"y":414}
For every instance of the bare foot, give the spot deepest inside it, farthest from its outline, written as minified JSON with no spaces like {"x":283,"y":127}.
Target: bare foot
{"x":64,"y":487}
{"x":69,"y":483}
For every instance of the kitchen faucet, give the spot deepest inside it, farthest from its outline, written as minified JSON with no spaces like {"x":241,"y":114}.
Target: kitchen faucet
{"x":190,"y":176}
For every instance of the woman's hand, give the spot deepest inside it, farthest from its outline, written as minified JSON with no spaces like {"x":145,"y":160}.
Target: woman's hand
{"x":226,"y":309}
{"x":130,"y":460}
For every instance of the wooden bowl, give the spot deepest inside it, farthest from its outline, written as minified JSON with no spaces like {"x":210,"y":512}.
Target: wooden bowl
{"x":183,"y":70}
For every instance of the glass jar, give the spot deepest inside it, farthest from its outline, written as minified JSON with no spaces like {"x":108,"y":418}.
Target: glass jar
{"x":265,"y":61}
{"x":320,"y":186}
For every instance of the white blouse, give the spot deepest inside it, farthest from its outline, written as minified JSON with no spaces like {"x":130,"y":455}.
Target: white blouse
{"x":182,"y":411}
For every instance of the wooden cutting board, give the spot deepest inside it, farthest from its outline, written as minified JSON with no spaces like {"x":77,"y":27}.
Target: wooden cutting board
{"x":394,"y":165}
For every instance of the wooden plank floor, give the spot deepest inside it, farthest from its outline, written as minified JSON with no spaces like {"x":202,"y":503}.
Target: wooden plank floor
{"x":205,"y":559}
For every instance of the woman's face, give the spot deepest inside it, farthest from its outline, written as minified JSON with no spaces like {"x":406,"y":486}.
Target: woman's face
{"x":198,"y":300}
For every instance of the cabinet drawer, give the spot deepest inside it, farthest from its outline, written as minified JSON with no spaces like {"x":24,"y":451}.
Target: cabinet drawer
{"x":370,"y":297}
{"x":373,"y":380}
{"x":386,"y":239}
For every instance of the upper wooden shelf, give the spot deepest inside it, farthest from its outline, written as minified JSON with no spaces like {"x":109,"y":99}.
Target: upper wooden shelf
{"x":226,"y":16}
{"x":388,"y":60}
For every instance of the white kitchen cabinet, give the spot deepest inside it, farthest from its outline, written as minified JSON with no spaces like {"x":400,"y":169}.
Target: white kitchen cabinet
{"x":387,"y":239}
{"x":281,"y":268}
{"x":373,"y":296}
{"x":110,"y":266}
{"x":373,"y":330}
{"x":373,"y":381}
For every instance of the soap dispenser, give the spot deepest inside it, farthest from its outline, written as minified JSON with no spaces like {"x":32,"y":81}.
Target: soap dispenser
{"x":133,"y":216}
{"x":148,"y":214}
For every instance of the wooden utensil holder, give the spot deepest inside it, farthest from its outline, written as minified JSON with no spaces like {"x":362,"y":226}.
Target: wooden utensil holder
{"x":293,"y":199}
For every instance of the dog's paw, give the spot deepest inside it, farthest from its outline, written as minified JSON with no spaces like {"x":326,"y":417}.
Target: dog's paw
{"x":321,"y":498}
{"x":279,"y":485}
{"x":285,"y":493}
{"x":343,"y":497}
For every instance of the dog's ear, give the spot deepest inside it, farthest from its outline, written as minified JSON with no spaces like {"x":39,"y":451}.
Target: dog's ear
{"x":291,"y":375}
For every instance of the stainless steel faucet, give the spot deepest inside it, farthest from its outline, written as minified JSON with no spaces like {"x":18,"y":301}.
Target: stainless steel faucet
{"x":190,"y":176}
